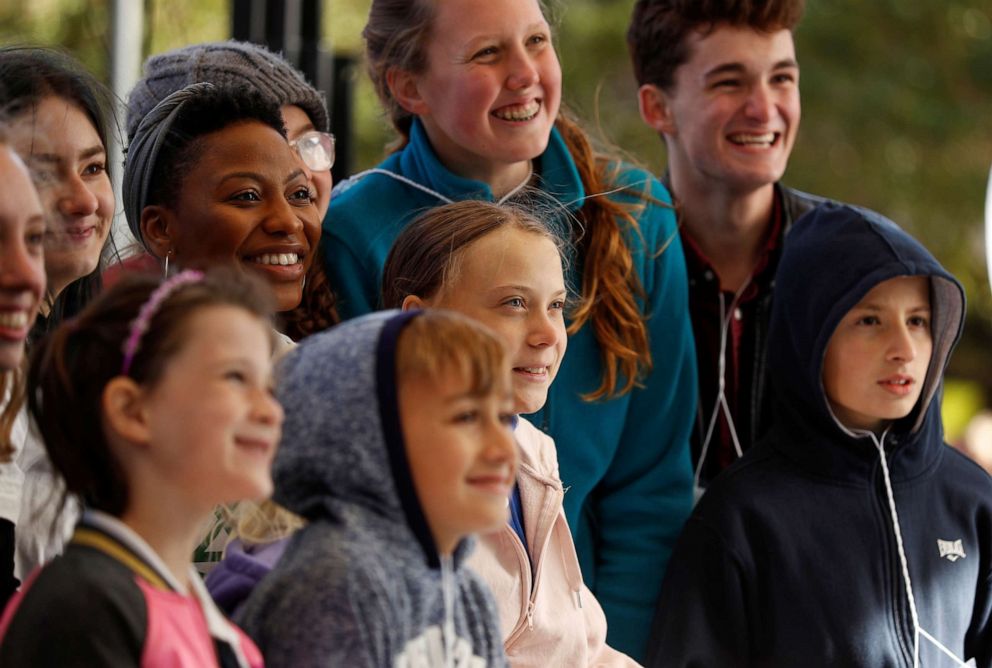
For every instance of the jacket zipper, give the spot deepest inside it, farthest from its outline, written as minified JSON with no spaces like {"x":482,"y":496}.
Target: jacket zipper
{"x":533,"y":578}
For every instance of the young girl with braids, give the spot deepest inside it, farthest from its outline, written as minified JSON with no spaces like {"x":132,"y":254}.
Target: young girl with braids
{"x":155,"y":406}
{"x":473,"y":88}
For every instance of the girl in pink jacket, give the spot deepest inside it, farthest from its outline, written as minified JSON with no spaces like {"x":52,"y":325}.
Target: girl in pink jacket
{"x":501,"y":265}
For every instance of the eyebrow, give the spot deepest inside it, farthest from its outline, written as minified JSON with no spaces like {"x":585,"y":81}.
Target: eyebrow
{"x":533,"y":27}
{"x":522,"y":288}
{"x":294,"y":175}
{"x":85,"y":154}
{"x":738,"y":68}
{"x":875,"y":307}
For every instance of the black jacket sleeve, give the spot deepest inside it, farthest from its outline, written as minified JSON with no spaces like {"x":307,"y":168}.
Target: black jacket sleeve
{"x":702,"y":616}
{"x":8,"y":583}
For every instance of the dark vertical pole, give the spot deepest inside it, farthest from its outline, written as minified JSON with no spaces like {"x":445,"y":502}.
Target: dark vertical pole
{"x":292,"y":28}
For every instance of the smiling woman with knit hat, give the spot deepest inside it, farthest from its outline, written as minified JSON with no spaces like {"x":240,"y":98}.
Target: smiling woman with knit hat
{"x":210,"y":179}
{"x":235,"y":67}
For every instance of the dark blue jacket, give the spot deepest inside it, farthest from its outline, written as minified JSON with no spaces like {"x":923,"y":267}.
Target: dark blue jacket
{"x":791,"y":557}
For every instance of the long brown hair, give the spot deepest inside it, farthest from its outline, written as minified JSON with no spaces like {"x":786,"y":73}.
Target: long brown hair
{"x":426,"y":254}
{"x":396,"y":36}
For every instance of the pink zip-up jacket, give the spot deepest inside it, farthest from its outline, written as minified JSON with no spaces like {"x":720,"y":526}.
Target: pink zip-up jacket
{"x":547,"y":615}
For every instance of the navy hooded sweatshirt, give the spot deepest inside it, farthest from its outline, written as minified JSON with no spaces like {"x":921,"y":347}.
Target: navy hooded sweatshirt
{"x":791,"y":557}
{"x":362,"y":584}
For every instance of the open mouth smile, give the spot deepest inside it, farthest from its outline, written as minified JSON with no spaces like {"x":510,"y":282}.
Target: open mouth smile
{"x":518,"y":112}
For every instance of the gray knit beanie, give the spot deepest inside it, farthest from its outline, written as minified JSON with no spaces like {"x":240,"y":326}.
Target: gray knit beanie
{"x":228,"y":64}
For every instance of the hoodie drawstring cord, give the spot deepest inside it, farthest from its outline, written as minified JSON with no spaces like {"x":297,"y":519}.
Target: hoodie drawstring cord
{"x":894,"y":516}
{"x":424,"y":189}
{"x":721,"y":396}
{"x":448,"y":595}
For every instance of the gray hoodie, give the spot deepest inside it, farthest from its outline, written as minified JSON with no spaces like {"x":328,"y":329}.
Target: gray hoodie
{"x":362,"y":584}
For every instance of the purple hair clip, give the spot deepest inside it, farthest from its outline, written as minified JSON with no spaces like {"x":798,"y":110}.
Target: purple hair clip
{"x":140,"y":324}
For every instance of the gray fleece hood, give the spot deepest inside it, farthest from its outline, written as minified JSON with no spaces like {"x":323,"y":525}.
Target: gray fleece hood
{"x":342,"y":444}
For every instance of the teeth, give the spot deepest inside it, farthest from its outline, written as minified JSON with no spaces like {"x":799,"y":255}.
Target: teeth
{"x":766,"y":138}
{"x":277,"y":258}
{"x":13,"y":319}
{"x":533,"y":369}
{"x":519,"y":112}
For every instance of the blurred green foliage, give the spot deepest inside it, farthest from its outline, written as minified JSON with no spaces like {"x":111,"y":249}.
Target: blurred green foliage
{"x":897,"y":105}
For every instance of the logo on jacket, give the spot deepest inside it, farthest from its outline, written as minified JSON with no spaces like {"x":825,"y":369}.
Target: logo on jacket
{"x":951,"y":549}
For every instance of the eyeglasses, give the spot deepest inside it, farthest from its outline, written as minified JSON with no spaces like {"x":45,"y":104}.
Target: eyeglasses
{"x":316,"y":149}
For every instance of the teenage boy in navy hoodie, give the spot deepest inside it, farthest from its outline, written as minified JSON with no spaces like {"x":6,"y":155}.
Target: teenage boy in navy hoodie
{"x":849,"y":535}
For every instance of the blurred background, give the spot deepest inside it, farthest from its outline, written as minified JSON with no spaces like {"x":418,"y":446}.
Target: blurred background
{"x":897,"y":113}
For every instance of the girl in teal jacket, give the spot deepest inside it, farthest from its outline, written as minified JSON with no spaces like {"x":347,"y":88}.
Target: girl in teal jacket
{"x":473,"y":87}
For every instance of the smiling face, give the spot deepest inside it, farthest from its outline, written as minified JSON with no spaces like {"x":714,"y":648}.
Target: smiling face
{"x":732,"y":115}
{"x":877,"y":358}
{"x":462,"y":456}
{"x":297,"y":122}
{"x":512,"y":282}
{"x":492,"y":87}
{"x":213,"y":422}
{"x":247,"y":200}
{"x":69,"y":164}
{"x":22,"y":260}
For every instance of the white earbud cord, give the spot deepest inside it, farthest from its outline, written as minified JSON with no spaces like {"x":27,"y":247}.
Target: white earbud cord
{"x":434,"y":193}
{"x":721,"y":397}
{"x":918,"y":630}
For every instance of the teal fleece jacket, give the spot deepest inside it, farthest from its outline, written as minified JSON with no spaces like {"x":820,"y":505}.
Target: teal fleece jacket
{"x":624,"y":462}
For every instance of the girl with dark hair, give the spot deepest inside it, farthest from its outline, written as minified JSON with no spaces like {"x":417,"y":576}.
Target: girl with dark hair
{"x":155,"y":405}
{"x":60,"y":119}
{"x":473,"y":87}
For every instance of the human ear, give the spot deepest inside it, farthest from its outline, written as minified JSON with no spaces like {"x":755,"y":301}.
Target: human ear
{"x":403,"y":87}
{"x":411,"y":302}
{"x":122,"y":403}
{"x":655,"y":110}
{"x":155,"y":230}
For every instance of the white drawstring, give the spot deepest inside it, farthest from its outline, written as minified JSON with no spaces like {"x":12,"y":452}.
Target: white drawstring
{"x":721,"y":405}
{"x":434,"y":193}
{"x":918,"y":630}
{"x":448,"y":595}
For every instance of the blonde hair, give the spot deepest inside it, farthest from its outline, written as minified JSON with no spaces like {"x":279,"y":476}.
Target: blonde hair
{"x":263,"y":522}
{"x":437,"y":342}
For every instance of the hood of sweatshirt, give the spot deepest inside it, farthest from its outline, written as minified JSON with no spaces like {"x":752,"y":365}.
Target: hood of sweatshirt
{"x":833,"y":256}
{"x":342,"y":444}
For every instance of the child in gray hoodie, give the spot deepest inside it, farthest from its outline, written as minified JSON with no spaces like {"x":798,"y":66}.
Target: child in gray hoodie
{"x":397,"y":445}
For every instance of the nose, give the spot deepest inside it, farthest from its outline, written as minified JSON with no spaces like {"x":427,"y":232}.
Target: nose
{"x":522,"y":71}
{"x":500,"y":445}
{"x":76,"y":199}
{"x":282,"y":218}
{"x":902,"y":347}
{"x":544,"y":331}
{"x":20,"y":270}
{"x":760,"y":104}
{"x":267,"y":409}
